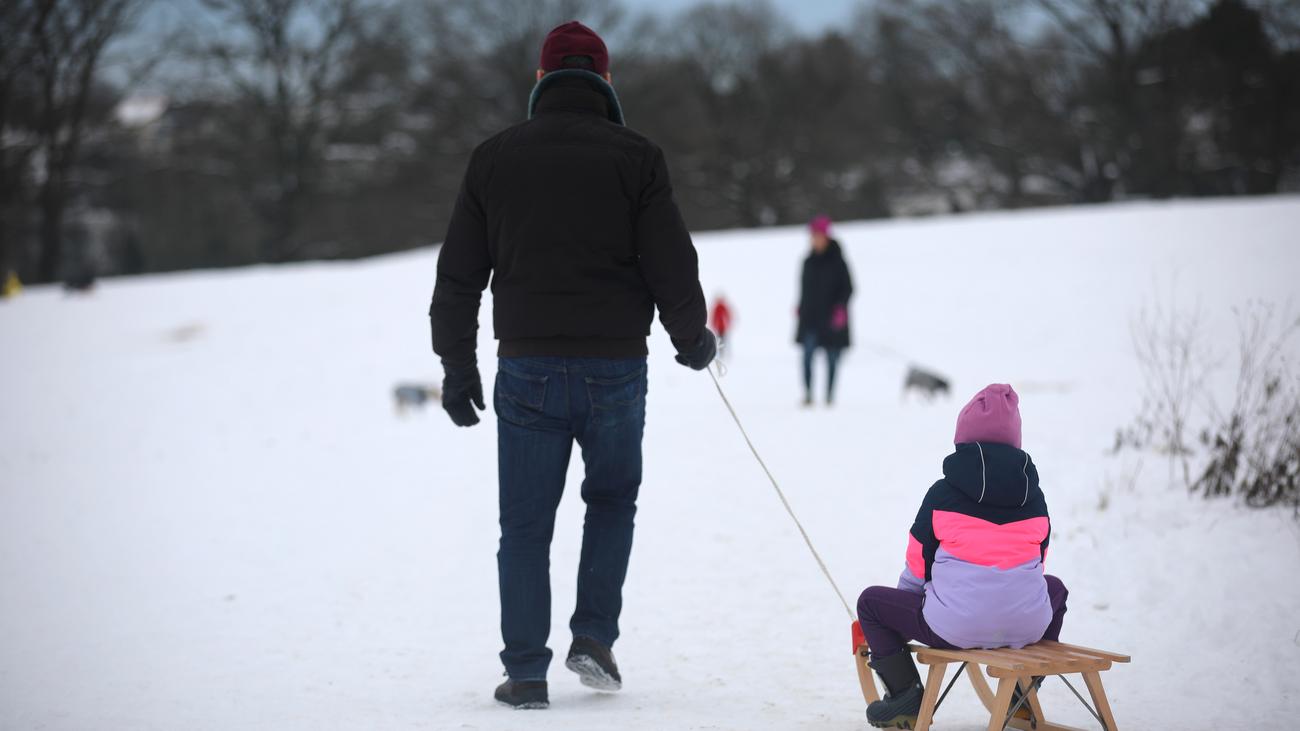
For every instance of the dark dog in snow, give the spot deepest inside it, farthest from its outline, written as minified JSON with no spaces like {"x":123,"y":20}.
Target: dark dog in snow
{"x":930,"y":384}
{"x":80,"y":283}
{"x":414,"y":396}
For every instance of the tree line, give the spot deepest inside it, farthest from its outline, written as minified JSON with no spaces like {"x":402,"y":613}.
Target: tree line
{"x":281,"y":130}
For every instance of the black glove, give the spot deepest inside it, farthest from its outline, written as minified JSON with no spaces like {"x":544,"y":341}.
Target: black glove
{"x":461,"y":386}
{"x":700,"y":354}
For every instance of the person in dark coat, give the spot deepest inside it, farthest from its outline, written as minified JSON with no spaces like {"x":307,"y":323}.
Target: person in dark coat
{"x":571,"y":217}
{"x":825,"y":289}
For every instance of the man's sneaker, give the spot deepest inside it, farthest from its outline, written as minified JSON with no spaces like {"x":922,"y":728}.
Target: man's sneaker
{"x":594,"y":664}
{"x":523,"y":694}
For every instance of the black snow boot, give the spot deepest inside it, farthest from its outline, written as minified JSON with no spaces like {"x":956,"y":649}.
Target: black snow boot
{"x":902,"y":701}
{"x":594,"y":664}
{"x":523,"y":694}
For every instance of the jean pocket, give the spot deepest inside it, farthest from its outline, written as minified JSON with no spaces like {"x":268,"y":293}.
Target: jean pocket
{"x":617,"y":399}
{"x":519,"y":396}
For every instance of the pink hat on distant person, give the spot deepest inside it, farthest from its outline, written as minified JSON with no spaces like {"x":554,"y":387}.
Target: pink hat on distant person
{"x":992,"y":416}
{"x":820,"y":225}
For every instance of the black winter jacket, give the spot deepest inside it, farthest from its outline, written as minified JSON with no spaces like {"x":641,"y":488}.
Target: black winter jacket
{"x":824,"y":285}
{"x":572,"y":215}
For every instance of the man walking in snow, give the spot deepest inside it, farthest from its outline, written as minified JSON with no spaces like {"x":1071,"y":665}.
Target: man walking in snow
{"x":571,"y":216}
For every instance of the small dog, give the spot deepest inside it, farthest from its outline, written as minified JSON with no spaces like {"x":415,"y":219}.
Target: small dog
{"x":81,"y":282}
{"x":414,"y":396}
{"x":928,"y":383}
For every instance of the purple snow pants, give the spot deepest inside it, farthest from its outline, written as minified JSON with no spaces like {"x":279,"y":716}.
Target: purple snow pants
{"x":890,"y":618}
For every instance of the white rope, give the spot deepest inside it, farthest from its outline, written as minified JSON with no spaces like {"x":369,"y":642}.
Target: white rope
{"x":781,"y":494}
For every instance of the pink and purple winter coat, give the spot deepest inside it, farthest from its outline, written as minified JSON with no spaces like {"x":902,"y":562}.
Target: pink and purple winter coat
{"x":977,"y":549}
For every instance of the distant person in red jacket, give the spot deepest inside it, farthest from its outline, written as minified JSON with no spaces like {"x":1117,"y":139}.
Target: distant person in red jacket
{"x":720,"y":321}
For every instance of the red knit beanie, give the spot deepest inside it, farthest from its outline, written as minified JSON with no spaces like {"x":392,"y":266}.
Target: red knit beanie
{"x":574,"y":39}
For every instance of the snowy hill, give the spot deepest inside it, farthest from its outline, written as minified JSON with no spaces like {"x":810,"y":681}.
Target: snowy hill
{"x":210,"y":517}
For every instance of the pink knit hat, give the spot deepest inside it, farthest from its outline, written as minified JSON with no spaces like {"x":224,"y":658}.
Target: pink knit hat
{"x":820,"y":225}
{"x":992,"y":416}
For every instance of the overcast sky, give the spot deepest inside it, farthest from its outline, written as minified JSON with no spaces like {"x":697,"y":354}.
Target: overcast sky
{"x":811,"y":16}
{"x":808,"y":16}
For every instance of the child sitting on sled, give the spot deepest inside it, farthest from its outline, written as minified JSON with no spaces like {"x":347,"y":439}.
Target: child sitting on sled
{"x":974,"y":575}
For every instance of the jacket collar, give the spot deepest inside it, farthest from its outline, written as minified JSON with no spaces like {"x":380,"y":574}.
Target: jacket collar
{"x":993,"y":474}
{"x":594,"y":95}
{"x":833,"y":251}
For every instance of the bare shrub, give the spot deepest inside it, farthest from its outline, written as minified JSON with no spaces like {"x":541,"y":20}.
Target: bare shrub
{"x":1254,"y":447}
{"x":1250,"y":449}
{"x":1175,"y":365}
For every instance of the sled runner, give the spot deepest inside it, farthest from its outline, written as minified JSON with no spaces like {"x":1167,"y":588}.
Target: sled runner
{"x":1026,"y":667}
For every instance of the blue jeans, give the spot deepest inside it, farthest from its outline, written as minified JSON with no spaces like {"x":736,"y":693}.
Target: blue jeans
{"x":543,"y":406}
{"x":810,"y":346}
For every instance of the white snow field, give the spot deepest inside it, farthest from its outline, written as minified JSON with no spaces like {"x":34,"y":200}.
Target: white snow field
{"x":211,"y":517}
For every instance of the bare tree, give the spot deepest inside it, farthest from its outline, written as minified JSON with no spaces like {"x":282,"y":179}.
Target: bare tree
{"x":20,"y":24}
{"x":67,"y":43}
{"x":716,"y":80}
{"x":1108,"y":36}
{"x":1000,"y":93}
{"x":70,"y":45}
{"x":1282,"y":19}
{"x":321,"y":128}
{"x":1175,"y":365}
{"x":1254,"y":446}
{"x":282,"y":62}
{"x":487,"y":50}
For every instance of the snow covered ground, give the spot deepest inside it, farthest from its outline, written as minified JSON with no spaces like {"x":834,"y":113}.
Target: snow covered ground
{"x":211,"y":518}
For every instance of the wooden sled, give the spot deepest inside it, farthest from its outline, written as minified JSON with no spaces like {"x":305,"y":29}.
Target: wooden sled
{"x":1028,"y":667}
